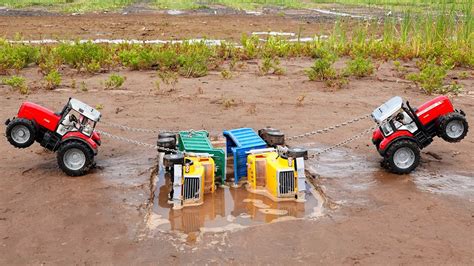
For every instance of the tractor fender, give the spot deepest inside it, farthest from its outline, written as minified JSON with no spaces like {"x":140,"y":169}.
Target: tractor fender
{"x":377,"y":137}
{"x":81,"y":137}
{"x":386,"y":142}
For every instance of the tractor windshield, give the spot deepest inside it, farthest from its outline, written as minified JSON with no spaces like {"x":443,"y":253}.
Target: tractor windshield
{"x":85,"y":110}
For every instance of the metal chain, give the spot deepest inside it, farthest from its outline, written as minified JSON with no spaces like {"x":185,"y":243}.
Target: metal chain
{"x":327,"y":129}
{"x":146,"y":130}
{"x":349,"y":140}
{"x":136,"y":129}
{"x":136,"y":142}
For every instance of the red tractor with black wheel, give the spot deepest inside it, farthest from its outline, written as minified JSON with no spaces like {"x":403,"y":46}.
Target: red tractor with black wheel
{"x":403,"y":131}
{"x":70,"y":133}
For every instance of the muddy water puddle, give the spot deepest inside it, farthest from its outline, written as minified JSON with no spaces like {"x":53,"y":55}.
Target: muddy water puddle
{"x":345,"y":176}
{"x":454,"y":184}
{"x":227,"y":209}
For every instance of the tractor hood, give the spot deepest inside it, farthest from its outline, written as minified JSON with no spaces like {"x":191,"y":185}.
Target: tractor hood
{"x":85,"y":110}
{"x":387,"y":109}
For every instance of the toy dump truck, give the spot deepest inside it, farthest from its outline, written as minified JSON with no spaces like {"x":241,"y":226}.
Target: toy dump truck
{"x":279,"y":173}
{"x":193,"y":176}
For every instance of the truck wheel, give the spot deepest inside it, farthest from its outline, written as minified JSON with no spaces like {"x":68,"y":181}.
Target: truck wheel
{"x":75,"y":158}
{"x":262,"y":132}
{"x":164,"y":135}
{"x":166,"y":143}
{"x":297,"y":153}
{"x":402,"y":157}
{"x":169,"y":160}
{"x":21,"y":133}
{"x":453,"y":127}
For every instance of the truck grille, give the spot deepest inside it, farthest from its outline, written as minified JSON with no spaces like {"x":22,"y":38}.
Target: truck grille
{"x":191,"y":188}
{"x":286,"y":183}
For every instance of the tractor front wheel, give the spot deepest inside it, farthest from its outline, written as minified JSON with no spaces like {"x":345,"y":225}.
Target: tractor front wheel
{"x":75,"y":158}
{"x":453,"y":127}
{"x":21,"y":133}
{"x":402,"y":157}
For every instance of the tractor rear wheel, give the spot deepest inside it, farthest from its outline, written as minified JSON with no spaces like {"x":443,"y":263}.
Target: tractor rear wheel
{"x":453,"y":127}
{"x":75,"y":158}
{"x":21,"y":133}
{"x":402,"y":157}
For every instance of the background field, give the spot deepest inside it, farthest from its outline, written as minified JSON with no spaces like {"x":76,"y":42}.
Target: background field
{"x":98,"y":5}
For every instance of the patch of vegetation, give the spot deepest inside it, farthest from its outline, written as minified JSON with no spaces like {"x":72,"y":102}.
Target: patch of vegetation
{"x":322,"y":69}
{"x":86,"y":56}
{"x":17,"y":83}
{"x":226,"y":74}
{"x":16,"y":56}
{"x":115,"y":81}
{"x":359,"y":67}
{"x":430,"y":78}
{"x":193,"y":66}
{"x":270,"y":65}
{"x":444,"y":37}
{"x":70,"y":6}
{"x":53,"y":79}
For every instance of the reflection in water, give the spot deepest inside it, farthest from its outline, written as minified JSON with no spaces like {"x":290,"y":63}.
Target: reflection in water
{"x":227,"y":206}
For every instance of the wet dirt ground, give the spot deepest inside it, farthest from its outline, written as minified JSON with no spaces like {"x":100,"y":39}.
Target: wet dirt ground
{"x":144,"y":24}
{"x":372,"y":217}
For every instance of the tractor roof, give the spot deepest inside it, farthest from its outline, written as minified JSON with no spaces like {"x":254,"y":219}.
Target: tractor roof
{"x":85,"y":110}
{"x":387,"y":109}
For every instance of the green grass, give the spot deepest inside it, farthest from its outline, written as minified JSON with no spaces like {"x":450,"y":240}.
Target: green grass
{"x":441,"y":41}
{"x":16,"y":83}
{"x":69,"y":6}
{"x":101,"y":5}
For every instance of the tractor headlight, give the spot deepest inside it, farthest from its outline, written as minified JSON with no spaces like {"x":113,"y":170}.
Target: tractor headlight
{"x":290,"y":162}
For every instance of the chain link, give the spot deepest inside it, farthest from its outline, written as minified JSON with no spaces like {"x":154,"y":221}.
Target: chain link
{"x":349,"y":140}
{"x":327,"y":129}
{"x":135,"y":142}
{"x":136,"y":129}
{"x":146,"y":130}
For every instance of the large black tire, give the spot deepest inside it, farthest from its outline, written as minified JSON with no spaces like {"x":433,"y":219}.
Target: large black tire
{"x":402,"y":156}
{"x":75,"y":157}
{"x":262,"y":132}
{"x":297,"y":152}
{"x":21,"y":133}
{"x":453,"y":127}
{"x":164,"y":135}
{"x":169,"y":160}
{"x":164,"y":144}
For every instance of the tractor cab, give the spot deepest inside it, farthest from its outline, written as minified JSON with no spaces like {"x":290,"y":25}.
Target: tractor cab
{"x":77,"y":116}
{"x":395,"y":115}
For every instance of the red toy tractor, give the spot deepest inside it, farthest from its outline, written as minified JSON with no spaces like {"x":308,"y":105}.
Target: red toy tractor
{"x":69,"y":132}
{"x":404,"y":131}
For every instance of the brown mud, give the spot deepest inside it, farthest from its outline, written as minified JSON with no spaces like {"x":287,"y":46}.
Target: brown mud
{"x":142,"y":24}
{"x":380,"y":218}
